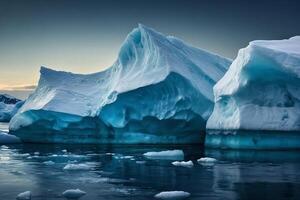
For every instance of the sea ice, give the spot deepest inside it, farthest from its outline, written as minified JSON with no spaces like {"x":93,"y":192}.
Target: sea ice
{"x":172,"y":195}
{"x":207,"y":161}
{"x":77,"y":167}
{"x":24,"y":196}
{"x":73,"y":193}
{"x":166,"y":155}
{"x":188,"y":164}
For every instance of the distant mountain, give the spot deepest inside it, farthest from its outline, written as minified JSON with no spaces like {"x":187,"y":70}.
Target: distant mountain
{"x":9,"y":106}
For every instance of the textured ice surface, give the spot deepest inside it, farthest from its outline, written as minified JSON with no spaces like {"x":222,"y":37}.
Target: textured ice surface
{"x":158,"y":91}
{"x":8,"y":107}
{"x":172,"y":195}
{"x":6,"y":138}
{"x":165,"y":155}
{"x":259,"y":92}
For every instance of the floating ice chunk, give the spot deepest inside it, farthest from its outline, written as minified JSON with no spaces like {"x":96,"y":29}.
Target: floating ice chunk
{"x":176,"y":195}
{"x":77,"y":167}
{"x":73,"y":193}
{"x":36,"y":153}
{"x":6,"y":138}
{"x":166,"y":155}
{"x":64,"y":150}
{"x":24,"y":196}
{"x":183,"y":163}
{"x":128,"y":157}
{"x":207,"y":161}
{"x":4,"y":147}
{"x":49,"y":162}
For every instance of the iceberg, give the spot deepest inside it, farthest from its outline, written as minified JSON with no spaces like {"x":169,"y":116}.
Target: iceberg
{"x":158,"y":91}
{"x":257,"y":102}
{"x":9,"y":106}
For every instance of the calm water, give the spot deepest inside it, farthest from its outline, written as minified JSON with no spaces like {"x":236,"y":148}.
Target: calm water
{"x":237,"y":174}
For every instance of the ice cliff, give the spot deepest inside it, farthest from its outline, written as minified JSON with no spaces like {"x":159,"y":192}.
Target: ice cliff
{"x":158,"y":91}
{"x":8,"y":107}
{"x":260,"y":92}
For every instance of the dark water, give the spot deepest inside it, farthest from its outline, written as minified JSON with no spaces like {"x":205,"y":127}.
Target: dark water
{"x":236,"y":175}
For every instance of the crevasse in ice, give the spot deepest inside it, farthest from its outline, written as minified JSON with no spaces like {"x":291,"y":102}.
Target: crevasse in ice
{"x":158,"y":91}
{"x":257,"y":102}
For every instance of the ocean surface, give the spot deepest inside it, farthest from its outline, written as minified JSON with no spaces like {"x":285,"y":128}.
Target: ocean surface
{"x":115,"y":172}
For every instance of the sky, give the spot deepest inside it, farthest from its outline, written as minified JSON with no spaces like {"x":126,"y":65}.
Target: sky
{"x":84,"y":36}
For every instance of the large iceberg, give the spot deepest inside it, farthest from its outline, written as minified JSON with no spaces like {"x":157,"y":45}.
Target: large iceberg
{"x":9,"y":106}
{"x":158,"y":91}
{"x":257,"y":102}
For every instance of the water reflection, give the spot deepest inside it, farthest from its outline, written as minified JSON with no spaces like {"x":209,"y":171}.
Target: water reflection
{"x":122,"y":172}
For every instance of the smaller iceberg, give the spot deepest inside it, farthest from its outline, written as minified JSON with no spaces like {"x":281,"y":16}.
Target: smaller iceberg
{"x":174,"y":195}
{"x":188,"y":164}
{"x":24,"y":196}
{"x":73,"y":167}
{"x":6,"y":138}
{"x":257,"y":102}
{"x":73,"y":193}
{"x":9,"y":106}
{"x":165,"y":155}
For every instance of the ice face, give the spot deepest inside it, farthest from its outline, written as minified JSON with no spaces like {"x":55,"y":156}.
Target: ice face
{"x":158,"y":91}
{"x":260,"y":92}
{"x":8,"y":107}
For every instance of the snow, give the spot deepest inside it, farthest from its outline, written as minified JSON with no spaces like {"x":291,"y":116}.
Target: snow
{"x":77,"y":167}
{"x":188,"y":164}
{"x":260,"y":92}
{"x":8,"y":107}
{"x":172,"y":195}
{"x":6,"y":138}
{"x":165,"y":155}
{"x":24,"y":196}
{"x":117,"y":105}
{"x":73,"y":193}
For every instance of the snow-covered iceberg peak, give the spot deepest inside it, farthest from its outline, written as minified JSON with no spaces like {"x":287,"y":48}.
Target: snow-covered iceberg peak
{"x":159,"y":90}
{"x":260,"y":91}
